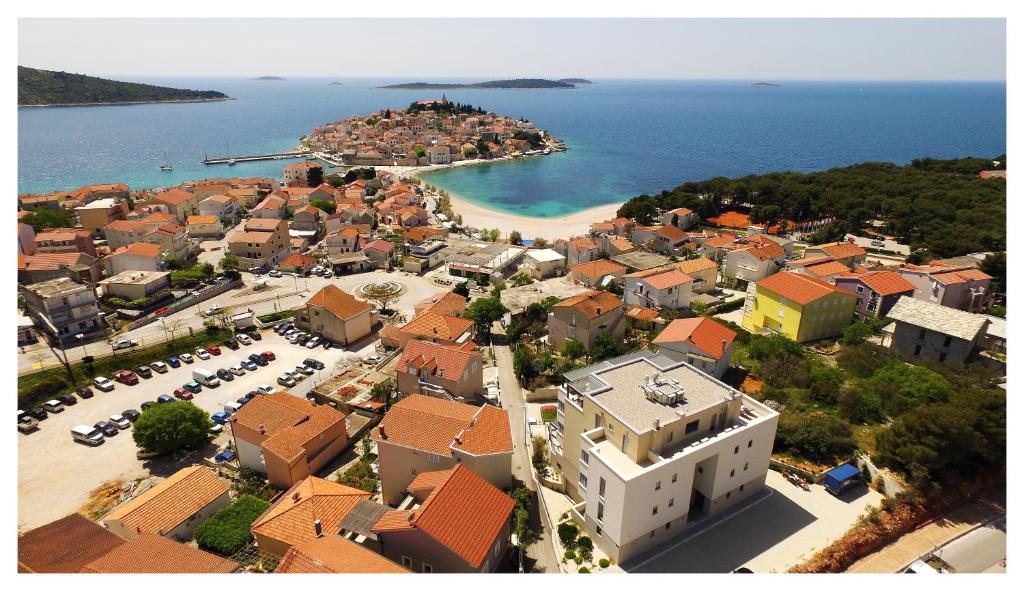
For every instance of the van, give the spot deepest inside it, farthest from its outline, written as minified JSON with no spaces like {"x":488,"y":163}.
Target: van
{"x":232,"y":407}
{"x":87,"y":435}
{"x":53,"y":406}
{"x":205,"y":377}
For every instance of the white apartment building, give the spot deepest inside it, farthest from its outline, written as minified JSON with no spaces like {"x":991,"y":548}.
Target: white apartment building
{"x":649,"y":446}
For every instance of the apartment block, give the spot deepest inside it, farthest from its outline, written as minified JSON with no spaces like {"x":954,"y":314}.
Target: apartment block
{"x":64,"y":308}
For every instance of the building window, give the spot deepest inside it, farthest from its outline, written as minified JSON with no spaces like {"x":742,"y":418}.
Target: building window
{"x":583,"y":481}
{"x":654,"y":511}
{"x":700,"y":469}
{"x":435,"y":458}
{"x":600,"y":487}
{"x":736,"y":450}
{"x":673,"y":478}
{"x":920,"y":335}
{"x":947,"y":342}
{"x":728,"y":494}
{"x":745,"y":466}
{"x":732,"y":472}
{"x":670,"y":434}
{"x":741,"y":487}
{"x":407,"y":562}
{"x":600,"y":511}
{"x":750,"y":444}
{"x":657,"y":485}
{"x":692,"y":426}
{"x":584,"y":458}
{"x":942,"y":357}
{"x":668,"y":525}
{"x":598,"y":530}
{"x":427,"y":568}
{"x":860,"y":289}
{"x":671,"y":502}
{"x":917,"y":350}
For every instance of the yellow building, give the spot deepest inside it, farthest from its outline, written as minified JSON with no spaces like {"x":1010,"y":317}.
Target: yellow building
{"x":798,"y":306}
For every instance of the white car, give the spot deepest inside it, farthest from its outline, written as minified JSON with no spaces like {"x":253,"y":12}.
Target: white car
{"x":286,"y":379}
{"x":266,"y":389}
{"x":103,"y":383}
{"x":373,"y":359}
{"x":159,"y":366}
{"x":187,"y":358}
{"x":275,"y":273}
{"x":120,"y":422}
{"x":244,"y":339}
{"x":302,"y":369}
{"x":328,"y":273}
{"x":238,"y":370}
{"x":202,"y":354}
{"x":213,"y":311}
{"x":217,"y":429}
{"x":125,"y":344}
{"x":312,"y":343}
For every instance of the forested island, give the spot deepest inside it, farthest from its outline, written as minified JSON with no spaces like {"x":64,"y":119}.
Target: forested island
{"x":270,"y":78}
{"x":516,"y":83}
{"x":575,"y":80}
{"x":49,"y":88}
{"x":942,"y":206}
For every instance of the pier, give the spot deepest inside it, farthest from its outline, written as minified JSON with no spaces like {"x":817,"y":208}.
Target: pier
{"x":276,"y":156}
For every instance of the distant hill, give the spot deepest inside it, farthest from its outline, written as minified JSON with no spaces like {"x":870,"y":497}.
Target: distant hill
{"x":270,"y":78}
{"x":575,"y":80}
{"x":45,"y":87}
{"x":516,"y":83}
{"x":764,"y":84}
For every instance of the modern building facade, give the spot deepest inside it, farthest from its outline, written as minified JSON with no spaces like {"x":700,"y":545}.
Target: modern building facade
{"x":800,"y":307}
{"x":64,"y":309}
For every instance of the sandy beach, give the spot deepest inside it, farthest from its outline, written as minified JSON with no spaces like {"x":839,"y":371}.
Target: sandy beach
{"x":573,"y":224}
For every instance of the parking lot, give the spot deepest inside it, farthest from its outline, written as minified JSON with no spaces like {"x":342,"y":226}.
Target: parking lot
{"x":56,"y":474}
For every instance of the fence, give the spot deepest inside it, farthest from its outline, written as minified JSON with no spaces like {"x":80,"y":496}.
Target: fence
{"x":189,"y":300}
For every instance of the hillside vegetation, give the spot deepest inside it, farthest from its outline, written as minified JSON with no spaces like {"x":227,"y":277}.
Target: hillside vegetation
{"x":44,"y":87}
{"x":938,"y":205}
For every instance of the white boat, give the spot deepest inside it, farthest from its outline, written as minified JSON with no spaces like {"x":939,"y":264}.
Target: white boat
{"x":166,"y":166}
{"x":231,"y":161}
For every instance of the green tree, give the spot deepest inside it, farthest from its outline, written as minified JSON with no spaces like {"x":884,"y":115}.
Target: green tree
{"x":605,"y":346}
{"x":327,"y":207}
{"x":228,"y":262}
{"x":567,"y":532}
{"x":573,"y":349}
{"x":165,"y":428}
{"x":814,"y":436}
{"x":485,"y":312}
{"x":515,"y":237}
{"x":995,"y":265}
{"x":765,"y":347}
{"x":229,"y":529}
{"x":314,"y":176}
{"x":856,"y":333}
{"x":42,"y":219}
{"x":523,"y":364}
{"x":462,"y":289}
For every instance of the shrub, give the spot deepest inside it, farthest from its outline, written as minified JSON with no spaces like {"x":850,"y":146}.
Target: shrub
{"x":164,"y":428}
{"x":578,"y":560}
{"x":864,"y":359}
{"x":570,"y":554}
{"x":856,"y":333}
{"x":227,"y":531}
{"x":583,"y":570}
{"x":604,"y":563}
{"x":767,"y":347}
{"x":360,"y":475}
{"x":815,"y":436}
{"x":274,"y":316}
{"x":567,"y":533}
{"x":586,"y":547}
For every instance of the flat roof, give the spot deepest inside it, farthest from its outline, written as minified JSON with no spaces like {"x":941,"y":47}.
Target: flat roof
{"x":516,"y":299}
{"x":640,"y":260}
{"x":131,"y":277}
{"x":544,"y":255}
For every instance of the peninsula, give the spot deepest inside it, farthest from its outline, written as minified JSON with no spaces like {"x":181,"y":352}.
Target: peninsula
{"x":428,"y":133}
{"x":515,"y":83}
{"x":46,"y":88}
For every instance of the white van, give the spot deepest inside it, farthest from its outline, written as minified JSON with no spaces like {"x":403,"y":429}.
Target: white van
{"x":87,"y":435}
{"x":53,"y":406}
{"x":232,"y":407}
{"x":205,"y":377}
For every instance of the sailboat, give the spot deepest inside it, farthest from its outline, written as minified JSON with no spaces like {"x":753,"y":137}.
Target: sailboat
{"x":166,"y":166}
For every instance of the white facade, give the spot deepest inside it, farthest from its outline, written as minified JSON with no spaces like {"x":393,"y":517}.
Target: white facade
{"x":743,"y":265}
{"x":640,"y":293}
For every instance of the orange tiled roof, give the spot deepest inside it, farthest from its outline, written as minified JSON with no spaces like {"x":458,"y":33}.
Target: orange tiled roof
{"x":802,"y":289}
{"x":827,"y":269}
{"x":335,"y":554}
{"x":640,"y":313}
{"x":337,"y":302}
{"x":763,"y":252}
{"x":174,"y":197}
{"x":621,"y":244}
{"x":64,"y":546}
{"x":696,"y":265}
{"x":126,"y":226}
{"x":885,"y":282}
{"x":291,"y":519}
{"x":842,"y":250}
{"x":201,"y":219}
{"x":158,"y":217}
{"x":448,"y":304}
{"x":598,"y":268}
{"x":433,"y":325}
{"x":151,"y":554}
{"x":465,"y":514}
{"x":262,"y":225}
{"x":731,"y":219}
{"x":297,"y":259}
{"x":140,"y":248}
{"x":171,"y":502}
{"x":720,"y":241}
{"x":667,"y":279}
{"x":592,"y":303}
{"x":704,"y":333}
{"x":49,"y":261}
{"x":433,"y":424}
{"x":433,"y":358}
{"x":582,"y":243}
{"x":672,"y":233}
{"x":61,"y":234}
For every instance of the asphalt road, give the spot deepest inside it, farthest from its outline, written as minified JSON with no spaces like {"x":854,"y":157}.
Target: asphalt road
{"x":981,"y":550}
{"x":56,"y":474}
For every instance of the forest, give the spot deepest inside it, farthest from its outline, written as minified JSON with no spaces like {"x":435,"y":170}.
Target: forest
{"x":939,"y":206}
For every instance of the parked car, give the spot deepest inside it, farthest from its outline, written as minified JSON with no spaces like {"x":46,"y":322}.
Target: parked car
{"x":53,"y":406}
{"x":213,"y":349}
{"x":27,"y":424}
{"x":286,"y":380}
{"x":373,"y":359}
{"x":120,"y":421}
{"x":251,"y":394}
{"x":249,"y":365}
{"x":304,"y":369}
{"x":83,"y":392}
{"x":217,"y":429}
{"x":126,"y":377}
{"x":220,"y":417}
{"x":312,"y":343}
{"x":159,"y":366}
{"x":164,"y":399}
{"x":173,"y":361}
{"x":225,"y":375}
{"x":68,"y":399}
{"x":131,"y":414}
{"x":268,"y":355}
{"x":238,"y":370}
{"x":144,"y":371}
{"x":107,"y":428}
{"x":202,"y":353}
{"x":38,"y":413}
{"x":103,"y":383}
{"x":244,"y":339}
{"x":878,"y":243}
{"x":193,"y":387}
{"x":124,"y":344}
{"x":274,"y":273}
{"x":255,"y":335}
{"x":303,"y":339}
{"x":242,"y":401}
{"x":313,"y":363}
{"x":258,"y":360}
{"x":186,"y":358}
{"x":231,"y":344}
{"x":146,"y":405}
{"x":87,"y":435}
{"x":213,"y":311}
{"x":225,"y":456}
{"x":266,"y":389}
{"x":328,"y":274}
{"x":183,"y":394}
{"x":327,"y":344}
{"x":281,"y":328}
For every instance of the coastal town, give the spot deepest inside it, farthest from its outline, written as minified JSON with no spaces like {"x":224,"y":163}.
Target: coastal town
{"x":332,"y":372}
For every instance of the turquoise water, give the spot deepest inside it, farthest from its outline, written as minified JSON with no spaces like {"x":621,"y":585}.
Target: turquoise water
{"x":624,"y":137}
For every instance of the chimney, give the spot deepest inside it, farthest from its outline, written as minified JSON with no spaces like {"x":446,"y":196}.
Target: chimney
{"x":382,"y":434}
{"x":599,"y":310}
{"x":723,"y":345}
{"x":263,"y":429}
{"x":295,"y":497}
{"x":318,"y":529}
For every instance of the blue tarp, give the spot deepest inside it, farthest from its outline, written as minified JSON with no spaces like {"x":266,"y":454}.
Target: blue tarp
{"x":837,"y":477}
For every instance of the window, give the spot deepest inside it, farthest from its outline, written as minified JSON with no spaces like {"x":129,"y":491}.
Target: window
{"x":745,"y":466}
{"x":583,"y":481}
{"x":942,"y":357}
{"x":584,"y":458}
{"x":671,"y":502}
{"x":860,"y":289}
{"x":732,"y":472}
{"x":427,"y":568}
{"x":600,"y":487}
{"x":692,"y":426}
{"x":728,"y":494}
{"x":669,"y":439}
{"x":599,"y":531}
{"x":668,"y":525}
{"x":741,"y":487}
{"x":625,"y":442}
{"x":736,"y":451}
{"x":600,"y":511}
{"x":917,"y":350}
{"x":407,"y":562}
{"x":947,"y":342}
{"x":750,"y":444}
{"x":920,"y":335}
{"x":435,"y":458}
{"x":673,"y":478}
{"x":654,"y":511}
{"x":657,"y":485}
{"x":700,"y":469}
{"x":780,"y":314}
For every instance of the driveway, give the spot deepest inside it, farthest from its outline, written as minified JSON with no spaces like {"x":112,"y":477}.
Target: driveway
{"x":770,"y":535}
{"x":56,"y":474}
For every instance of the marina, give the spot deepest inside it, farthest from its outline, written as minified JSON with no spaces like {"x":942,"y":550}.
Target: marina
{"x":275,"y":156}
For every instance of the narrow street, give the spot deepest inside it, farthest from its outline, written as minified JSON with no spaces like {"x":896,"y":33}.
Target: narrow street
{"x":542,"y":551}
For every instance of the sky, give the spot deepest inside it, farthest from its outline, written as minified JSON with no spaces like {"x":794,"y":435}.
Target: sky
{"x":425,"y":49}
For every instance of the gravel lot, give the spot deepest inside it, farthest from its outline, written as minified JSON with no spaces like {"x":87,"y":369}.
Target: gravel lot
{"x":56,"y":474}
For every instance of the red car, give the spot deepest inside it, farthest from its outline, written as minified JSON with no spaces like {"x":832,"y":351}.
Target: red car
{"x":267,"y":355}
{"x":127,"y":377}
{"x":182,"y":394}
{"x":213,"y":350}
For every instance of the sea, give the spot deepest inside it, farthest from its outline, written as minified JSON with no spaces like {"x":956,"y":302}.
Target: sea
{"x":625,"y":137}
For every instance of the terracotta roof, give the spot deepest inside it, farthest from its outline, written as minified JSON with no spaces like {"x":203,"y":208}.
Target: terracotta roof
{"x":582,"y":243}
{"x":420,"y":233}
{"x":592,"y":303}
{"x":433,"y":424}
{"x":140,"y":248}
{"x":703,"y":333}
{"x":221,"y":198}
{"x":428,"y":481}
{"x":433,"y":358}
{"x":171,"y":229}
{"x":696,"y":265}
{"x":884,"y":282}
{"x":171,"y":502}
{"x":640,"y":313}
{"x":667,"y":279}
{"x":64,"y":546}
{"x":672,"y":233}
{"x":158,"y":217}
{"x":809,"y":260}
{"x":802,"y":289}
{"x":379,"y":244}
{"x":465,"y":513}
{"x":297,"y":259}
{"x":201,"y":219}
{"x":174,"y":197}
{"x":61,"y":234}
{"x":433,"y":325}
{"x":126,"y":226}
{"x":597,"y":269}
{"x":681,"y":211}
{"x":335,"y":554}
{"x":621,"y":244}
{"x":337,"y":302}
{"x":841,"y":250}
{"x":731,"y":219}
{"x":763,"y":252}
{"x":150,"y":553}
{"x":51,"y":261}
{"x":720,"y":241}
{"x":291,"y":519}
{"x":293,"y":426}
{"x":448,"y":304}
{"x":262,"y":225}
{"x":827,"y":269}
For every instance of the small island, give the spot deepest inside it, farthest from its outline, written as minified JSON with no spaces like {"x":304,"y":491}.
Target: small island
{"x":46,"y":88}
{"x":335,"y":83}
{"x":428,"y":133}
{"x":514,"y":83}
{"x":269,"y":78}
{"x":576,"y":81}
{"x":764,"y":84}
